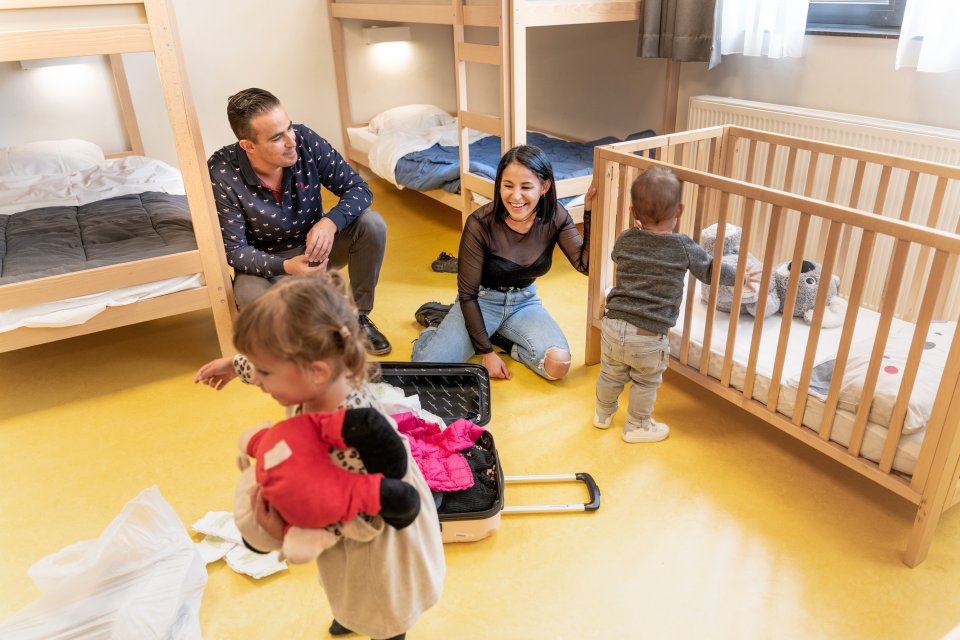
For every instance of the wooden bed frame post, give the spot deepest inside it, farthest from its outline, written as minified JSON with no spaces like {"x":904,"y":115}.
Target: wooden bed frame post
{"x":340,"y":73}
{"x":516,"y":131}
{"x":671,"y":96}
{"x":125,"y":100}
{"x":193,"y":166}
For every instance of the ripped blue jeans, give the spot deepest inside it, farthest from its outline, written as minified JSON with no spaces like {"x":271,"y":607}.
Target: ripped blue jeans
{"x":518,"y":315}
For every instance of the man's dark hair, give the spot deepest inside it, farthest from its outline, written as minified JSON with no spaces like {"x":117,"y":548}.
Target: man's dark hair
{"x":244,"y":106}
{"x":535,"y":159}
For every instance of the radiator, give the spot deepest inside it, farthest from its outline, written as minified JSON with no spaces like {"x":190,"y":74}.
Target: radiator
{"x":904,"y":139}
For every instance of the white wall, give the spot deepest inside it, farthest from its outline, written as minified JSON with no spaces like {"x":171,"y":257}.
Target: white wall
{"x":845,"y":74}
{"x":228,"y":45}
{"x":583,"y":80}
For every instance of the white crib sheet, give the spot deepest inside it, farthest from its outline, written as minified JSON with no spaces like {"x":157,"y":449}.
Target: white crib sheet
{"x":867,"y":321}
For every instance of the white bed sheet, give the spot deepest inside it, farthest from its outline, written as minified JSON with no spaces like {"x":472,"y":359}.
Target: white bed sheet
{"x":867,"y":321}
{"x":362,"y":139}
{"x":121,"y":176}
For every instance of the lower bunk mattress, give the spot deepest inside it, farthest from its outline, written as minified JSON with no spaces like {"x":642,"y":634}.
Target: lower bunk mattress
{"x":55,"y":240}
{"x":929,"y":375}
{"x":428,"y":159}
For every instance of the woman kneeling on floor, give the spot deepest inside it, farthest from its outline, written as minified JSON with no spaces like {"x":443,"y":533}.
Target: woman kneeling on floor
{"x":506,"y":245}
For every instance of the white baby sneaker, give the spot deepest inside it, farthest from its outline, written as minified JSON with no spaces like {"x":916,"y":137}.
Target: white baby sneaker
{"x":652,"y":432}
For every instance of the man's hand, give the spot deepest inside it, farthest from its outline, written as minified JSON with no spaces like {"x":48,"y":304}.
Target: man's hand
{"x":301,"y":265}
{"x":495,"y":366}
{"x":216,"y":373}
{"x":320,"y":240}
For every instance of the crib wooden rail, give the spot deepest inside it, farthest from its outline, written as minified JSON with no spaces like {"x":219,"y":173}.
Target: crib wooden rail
{"x":876,"y":221}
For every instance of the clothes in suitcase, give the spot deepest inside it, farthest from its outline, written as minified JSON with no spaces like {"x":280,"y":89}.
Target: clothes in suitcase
{"x":454,"y":391}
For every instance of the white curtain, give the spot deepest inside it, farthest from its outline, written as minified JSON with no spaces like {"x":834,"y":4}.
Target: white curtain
{"x":771,"y":28}
{"x":928,"y":37}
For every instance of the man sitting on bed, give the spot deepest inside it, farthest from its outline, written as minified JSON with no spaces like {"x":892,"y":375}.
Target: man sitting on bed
{"x":267,"y":191}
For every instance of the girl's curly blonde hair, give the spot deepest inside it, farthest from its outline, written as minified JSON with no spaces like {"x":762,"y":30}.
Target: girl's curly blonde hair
{"x":303,"y":319}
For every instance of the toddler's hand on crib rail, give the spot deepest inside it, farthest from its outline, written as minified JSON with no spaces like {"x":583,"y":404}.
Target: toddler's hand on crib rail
{"x":751,"y":278}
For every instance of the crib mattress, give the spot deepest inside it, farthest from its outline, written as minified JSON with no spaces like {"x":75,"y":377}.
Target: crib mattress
{"x":908,"y":449}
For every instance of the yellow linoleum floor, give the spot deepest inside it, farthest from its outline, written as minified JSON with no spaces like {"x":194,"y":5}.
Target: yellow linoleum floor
{"x":728,"y":529}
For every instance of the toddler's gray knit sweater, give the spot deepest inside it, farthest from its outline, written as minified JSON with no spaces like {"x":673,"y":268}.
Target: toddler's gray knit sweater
{"x":650,"y":271}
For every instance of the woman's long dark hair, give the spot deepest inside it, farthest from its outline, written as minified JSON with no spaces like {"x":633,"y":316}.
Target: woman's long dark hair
{"x":535,"y":159}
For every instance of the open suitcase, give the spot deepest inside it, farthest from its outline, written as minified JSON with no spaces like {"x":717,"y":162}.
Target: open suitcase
{"x":454,"y":391}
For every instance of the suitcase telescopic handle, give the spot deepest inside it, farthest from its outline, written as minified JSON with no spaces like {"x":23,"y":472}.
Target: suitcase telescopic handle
{"x":585,"y":478}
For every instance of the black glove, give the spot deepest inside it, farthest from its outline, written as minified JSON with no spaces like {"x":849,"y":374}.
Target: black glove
{"x":399,"y":503}
{"x":378,"y":443}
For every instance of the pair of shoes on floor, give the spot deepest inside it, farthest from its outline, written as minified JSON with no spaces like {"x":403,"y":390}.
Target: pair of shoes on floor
{"x":377,"y":343}
{"x":653,"y":432}
{"x":445,"y":263}
{"x":431,"y":314}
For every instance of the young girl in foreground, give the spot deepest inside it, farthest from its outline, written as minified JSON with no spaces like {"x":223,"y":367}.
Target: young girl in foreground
{"x":306,"y":350}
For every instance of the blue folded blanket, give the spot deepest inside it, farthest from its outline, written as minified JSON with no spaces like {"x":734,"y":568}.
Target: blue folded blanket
{"x":439,"y":167}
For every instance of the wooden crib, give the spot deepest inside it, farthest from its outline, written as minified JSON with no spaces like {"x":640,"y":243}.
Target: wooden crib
{"x":887,"y":226}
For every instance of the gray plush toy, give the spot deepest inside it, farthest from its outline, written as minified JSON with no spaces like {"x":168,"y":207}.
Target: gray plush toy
{"x":731,"y":251}
{"x":807,"y":293}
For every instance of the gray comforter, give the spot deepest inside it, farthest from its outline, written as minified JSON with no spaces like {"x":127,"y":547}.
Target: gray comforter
{"x":54,"y":240}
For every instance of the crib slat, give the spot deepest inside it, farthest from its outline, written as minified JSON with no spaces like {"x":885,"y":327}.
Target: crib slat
{"x":845,"y":239}
{"x":890,"y":294}
{"x":913,"y":361}
{"x":787,"y":318}
{"x":923,"y":254}
{"x":746,"y":227}
{"x":882,"y":187}
{"x":831,"y":194}
{"x":691,"y":281}
{"x":813,"y":338}
{"x":748,"y":207}
{"x":846,"y":337}
{"x":936,"y":425}
{"x":714,"y":285}
{"x":765,"y":276}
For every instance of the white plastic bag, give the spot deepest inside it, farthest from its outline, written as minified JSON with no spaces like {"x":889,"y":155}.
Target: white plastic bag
{"x":141,"y":579}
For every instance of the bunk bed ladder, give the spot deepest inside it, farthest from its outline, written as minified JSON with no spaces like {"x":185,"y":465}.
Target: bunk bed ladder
{"x":510,"y":43}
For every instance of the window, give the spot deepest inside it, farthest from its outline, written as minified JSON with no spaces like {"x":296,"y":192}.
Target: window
{"x":876,"y":17}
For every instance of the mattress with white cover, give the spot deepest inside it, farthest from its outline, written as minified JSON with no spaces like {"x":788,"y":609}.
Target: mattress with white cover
{"x":928,"y":378}
{"x":73,"y":173}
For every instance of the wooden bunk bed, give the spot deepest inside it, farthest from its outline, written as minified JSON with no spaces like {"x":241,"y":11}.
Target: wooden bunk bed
{"x":40,"y":29}
{"x":888,"y":227}
{"x":511,"y":18}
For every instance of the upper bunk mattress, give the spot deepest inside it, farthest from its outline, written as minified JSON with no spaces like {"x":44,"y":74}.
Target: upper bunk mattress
{"x":54,"y":240}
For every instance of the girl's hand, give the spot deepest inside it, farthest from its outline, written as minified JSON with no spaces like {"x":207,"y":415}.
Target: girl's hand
{"x":268,"y":518}
{"x":495,"y":366}
{"x":216,"y":373}
{"x":751,"y":278}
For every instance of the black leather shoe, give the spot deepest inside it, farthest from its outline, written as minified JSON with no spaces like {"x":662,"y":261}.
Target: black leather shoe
{"x":377,"y":343}
{"x":445,"y":263}
{"x":431,"y":314}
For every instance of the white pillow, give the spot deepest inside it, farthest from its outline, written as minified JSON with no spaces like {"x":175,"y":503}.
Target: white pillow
{"x":929,"y":374}
{"x":50,"y":157}
{"x":410,"y":116}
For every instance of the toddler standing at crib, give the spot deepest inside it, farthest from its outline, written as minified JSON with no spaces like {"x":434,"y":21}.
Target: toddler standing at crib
{"x":302,"y":344}
{"x":643,"y":305}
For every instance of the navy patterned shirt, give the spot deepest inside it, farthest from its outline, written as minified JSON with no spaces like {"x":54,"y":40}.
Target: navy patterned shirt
{"x":255,"y":225}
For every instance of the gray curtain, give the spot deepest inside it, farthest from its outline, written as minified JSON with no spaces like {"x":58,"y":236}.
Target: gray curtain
{"x":681,"y":30}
